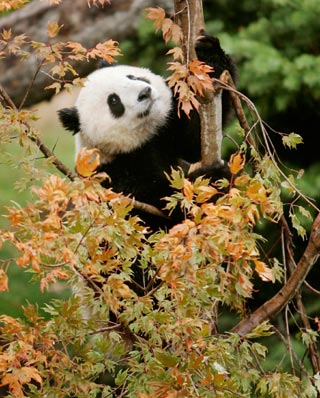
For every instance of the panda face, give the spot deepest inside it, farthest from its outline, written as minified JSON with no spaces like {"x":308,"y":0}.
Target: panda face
{"x":120,"y":108}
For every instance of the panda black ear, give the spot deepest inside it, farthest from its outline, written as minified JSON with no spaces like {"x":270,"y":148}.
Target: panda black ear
{"x":105,"y":64}
{"x":69,"y":117}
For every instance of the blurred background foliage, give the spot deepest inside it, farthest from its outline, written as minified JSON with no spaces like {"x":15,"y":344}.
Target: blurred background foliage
{"x":276,"y":45}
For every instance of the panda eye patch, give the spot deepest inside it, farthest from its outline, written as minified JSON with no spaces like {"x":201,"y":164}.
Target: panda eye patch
{"x":116,"y":106}
{"x":142,"y":79}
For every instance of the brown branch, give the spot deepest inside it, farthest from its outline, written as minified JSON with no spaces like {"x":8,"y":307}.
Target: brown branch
{"x":88,"y":26}
{"x":273,"y":306}
{"x":288,"y":244}
{"x":226,"y":78}
{"x":147,"y":208}
{"x":34,"y":138}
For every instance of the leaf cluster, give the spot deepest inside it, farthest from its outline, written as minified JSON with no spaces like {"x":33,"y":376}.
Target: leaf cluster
{"x":59,"y":55}
{"x":157,"y":335}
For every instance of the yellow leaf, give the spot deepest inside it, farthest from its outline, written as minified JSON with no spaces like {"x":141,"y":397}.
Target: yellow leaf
{"x":88,"y":160}
{"x":257,"y":192}
{"x":237,"y":162}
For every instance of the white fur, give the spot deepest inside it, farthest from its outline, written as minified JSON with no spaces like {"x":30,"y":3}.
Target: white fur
{"x":100,"y":129}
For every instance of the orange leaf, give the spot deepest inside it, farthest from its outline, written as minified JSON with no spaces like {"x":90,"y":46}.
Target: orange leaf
{"x":237,"y":162}
{"x":176,"y":53}
{"x":157,"y":15}
{"x":88,"y":160}
{"x":119,"y":288}
{"x":257,"y":192}
{"x":171,"y":31}
{"x":3,"y":281}
{"x":188,"y":190}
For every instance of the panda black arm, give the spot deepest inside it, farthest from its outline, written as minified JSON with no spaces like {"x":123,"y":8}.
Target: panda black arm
{"x":215,"y":172}
{"x":69,"y":118}
{"x":187,"y":130}
{"x":209,"y":50}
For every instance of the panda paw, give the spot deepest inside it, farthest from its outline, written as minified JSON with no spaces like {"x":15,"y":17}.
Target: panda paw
{"x":214,"y":172}
{"x":209,"y":51}
{"x":206,"y":45}
{"x":206,"y":42}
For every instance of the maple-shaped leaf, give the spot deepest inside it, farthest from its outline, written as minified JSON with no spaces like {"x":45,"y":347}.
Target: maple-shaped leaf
{"x":257,"y":192}
{"x":106,"y":50}
{"x":19,"y":377}
{"x":176,"y":53}
{"x":119,"y":288}
{"x":188,"y":190}
{"x":264,"y":272}
{"x":292,"y":140}
{"x":237,"y":162}
{"x":6,"y":34}
{"x":205,"y":193}
{"x":53,"y":29}
{"x":157,"y":15}
{"x":88,"y":160}
{"x":171,"y":31}
{"x":200,"y":69}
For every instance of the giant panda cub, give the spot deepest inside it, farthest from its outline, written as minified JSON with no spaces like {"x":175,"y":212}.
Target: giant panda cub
{"x":130,"y":115}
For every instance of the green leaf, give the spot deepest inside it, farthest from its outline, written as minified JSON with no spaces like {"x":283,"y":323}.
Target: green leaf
{"x":121,"y":377}
{"x":261,"y":330}
{"x":292,"y":140}
{"x":309,"y":336}
{"x":166,"y":359}
{"x":297,"y":226}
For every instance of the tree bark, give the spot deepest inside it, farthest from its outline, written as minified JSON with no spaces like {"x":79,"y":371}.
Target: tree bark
{"x":273,"y":306}
{"x":189,"y":16}
{"x":88,"y":26}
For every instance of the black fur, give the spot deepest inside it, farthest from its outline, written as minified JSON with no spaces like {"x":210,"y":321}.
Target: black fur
{"x":116,"y":106}
{"x":141,"y":172}
{"x":69,"y":117}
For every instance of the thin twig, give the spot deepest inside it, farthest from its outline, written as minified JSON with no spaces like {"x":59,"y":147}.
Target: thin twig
{"x":285,"y":342}
{"x":34,"y":138}
{"x":251,"y":106}
{"x":313,"y":290}
{"x":31,"y":84}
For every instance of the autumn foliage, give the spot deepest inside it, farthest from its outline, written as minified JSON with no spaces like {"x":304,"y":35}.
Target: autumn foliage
{"x":170,"y":334}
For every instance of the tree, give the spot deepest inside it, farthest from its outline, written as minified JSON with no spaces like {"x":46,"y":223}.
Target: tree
{"x":171,"y":341}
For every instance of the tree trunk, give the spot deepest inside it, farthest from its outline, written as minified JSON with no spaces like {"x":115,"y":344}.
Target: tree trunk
{"x":189,"y":15}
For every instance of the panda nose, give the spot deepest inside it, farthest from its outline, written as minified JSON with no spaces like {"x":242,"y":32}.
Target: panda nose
{"x":144,"y":94}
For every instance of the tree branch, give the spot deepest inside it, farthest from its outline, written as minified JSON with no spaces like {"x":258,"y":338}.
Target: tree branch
{"x":34,"y":138}
{"x":88,"y":26}
{"x":273,"y":306}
